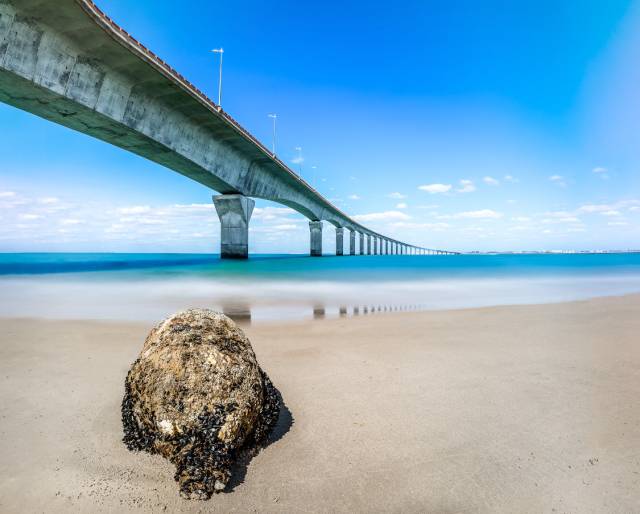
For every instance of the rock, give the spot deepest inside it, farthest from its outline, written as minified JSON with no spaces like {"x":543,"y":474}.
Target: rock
{"x":197,"y":396}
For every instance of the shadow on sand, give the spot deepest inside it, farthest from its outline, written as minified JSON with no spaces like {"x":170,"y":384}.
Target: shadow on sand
{"x":283,"y":425}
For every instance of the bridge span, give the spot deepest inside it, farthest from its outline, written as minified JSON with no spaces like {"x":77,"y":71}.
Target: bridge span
{"x":69,"y":63}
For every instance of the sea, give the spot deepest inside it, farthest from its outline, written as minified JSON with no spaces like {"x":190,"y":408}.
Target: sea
{"x":270,"y":288}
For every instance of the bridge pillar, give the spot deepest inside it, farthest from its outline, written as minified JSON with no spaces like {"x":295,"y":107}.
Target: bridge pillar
{"x":368,"y":244}
{"x":375,"y":246}
{"x":386,"y":247}
{"x":352,"y":242}
{"x":234,"y":212}
{"x":361,"y":243}
{"x":339,"y":241}
{"x":315,"y":230}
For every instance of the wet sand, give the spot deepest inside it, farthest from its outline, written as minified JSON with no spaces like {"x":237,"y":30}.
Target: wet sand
{"x":505,"y":409}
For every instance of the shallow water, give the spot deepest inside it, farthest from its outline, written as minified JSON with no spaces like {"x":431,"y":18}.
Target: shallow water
{"x":276,"y":287}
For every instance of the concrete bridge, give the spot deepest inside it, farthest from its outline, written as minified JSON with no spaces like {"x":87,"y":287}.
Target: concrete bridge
{"x":67,"y":62}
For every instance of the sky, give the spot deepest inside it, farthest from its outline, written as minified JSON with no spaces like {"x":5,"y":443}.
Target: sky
{"x":460,"y":125}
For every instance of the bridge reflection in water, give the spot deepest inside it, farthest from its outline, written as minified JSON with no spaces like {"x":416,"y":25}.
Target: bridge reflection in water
{"x":244,"y":313}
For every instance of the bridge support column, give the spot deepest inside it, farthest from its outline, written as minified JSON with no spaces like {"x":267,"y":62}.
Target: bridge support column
{"x":315,"y":230}
{"x":386,"y":247}
{"x":234,"y":212}
{"x":352,"y":242}
{"x":368,"y":244}
{"x":375,"y":246}
{"x":361,"y":243}
{"x":339,"y":241}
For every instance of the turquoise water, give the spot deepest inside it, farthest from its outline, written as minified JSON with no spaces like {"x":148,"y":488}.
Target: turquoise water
{"x":273,"y":287}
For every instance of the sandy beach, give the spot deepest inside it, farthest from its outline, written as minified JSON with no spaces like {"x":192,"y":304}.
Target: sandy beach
{"x":503,"y":409}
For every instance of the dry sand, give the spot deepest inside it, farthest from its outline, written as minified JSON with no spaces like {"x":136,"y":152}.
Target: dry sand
{"x":507,"y":409}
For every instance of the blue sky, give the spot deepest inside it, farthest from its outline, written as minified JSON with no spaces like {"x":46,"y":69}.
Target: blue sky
{"x":471,"y":125}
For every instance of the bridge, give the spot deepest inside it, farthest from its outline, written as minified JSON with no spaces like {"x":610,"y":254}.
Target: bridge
{"x":69,"y":63}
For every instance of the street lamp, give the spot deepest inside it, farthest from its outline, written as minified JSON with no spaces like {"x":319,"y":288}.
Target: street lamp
{"x":221,"y":52}
{"x":299,"y":148}
{"x":273,"y":145}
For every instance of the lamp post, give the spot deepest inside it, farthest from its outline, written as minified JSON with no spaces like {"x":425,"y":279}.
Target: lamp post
{"x":273,"y":144}
{"x":299,"y":149}
{"x":221,"y":52}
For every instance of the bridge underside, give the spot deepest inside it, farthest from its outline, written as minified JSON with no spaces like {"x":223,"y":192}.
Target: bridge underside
{"x":68,"y":63}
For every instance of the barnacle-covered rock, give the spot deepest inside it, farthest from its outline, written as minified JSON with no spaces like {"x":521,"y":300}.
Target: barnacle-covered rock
{"x":197,"y":396}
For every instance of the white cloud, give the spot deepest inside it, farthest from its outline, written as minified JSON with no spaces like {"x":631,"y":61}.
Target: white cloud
{"x":30,"y":216}
{"x":144,"y":221}
{"x":49,"y":200}
{"x":70,"y":221}
{"x":397,"y":196}
{"x":382,"y":216}
{"x":271,"y":213}
{"x":480,"y":214}
{"x":611,"y":213}
{"x":7,"y":194}
{"x":521,"y":219}
{"x":622,"y":204}
{"x":136,"y":209}
{"x":594,"y":208}
{"x":569,"y":219}
{"x":635,"y":208}
{"x":491,"y":181}
{"x":603,"y":173}
{"x":617,"y":224}
{"x":286,"y":226}
{"x":558,"y":180}
{"x":353,"y":197}
{"x":427,"y":226}
{"x":401,"y":205}
{"x":558,"y":214}
{"x":466,"y":186}
{"x":297,"y":160}
{"x":435,"y":188}
{"x":510,"y":178}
